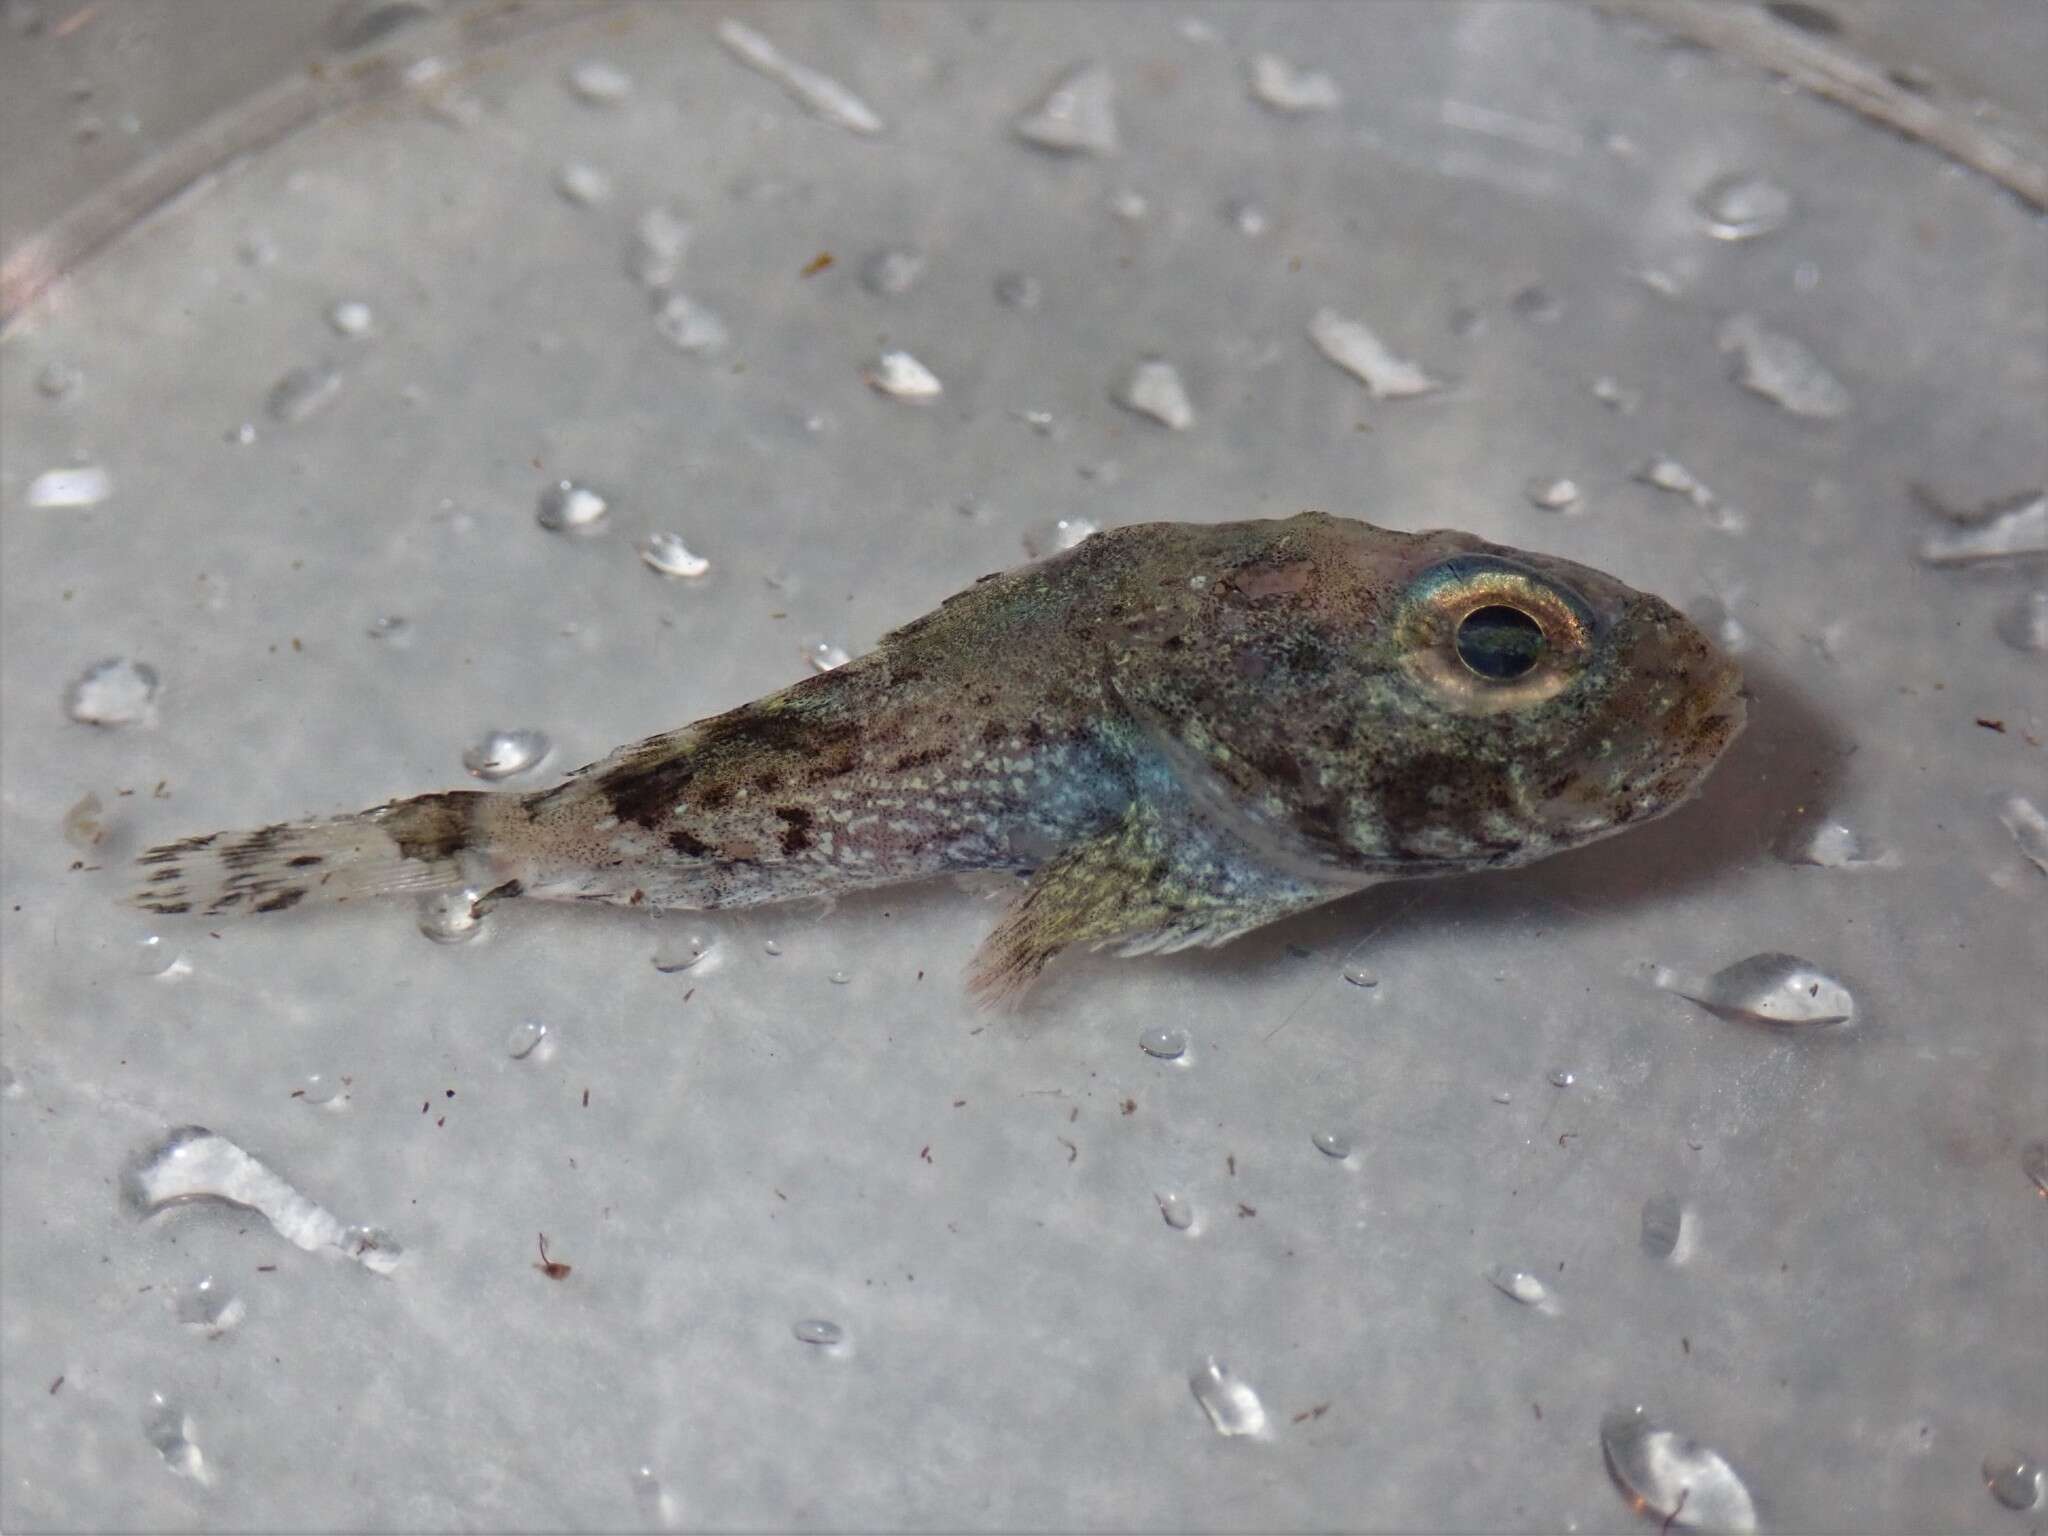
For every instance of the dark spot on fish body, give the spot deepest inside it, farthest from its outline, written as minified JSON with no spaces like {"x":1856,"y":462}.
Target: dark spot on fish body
{"x":920,"y":759}
{"x":688,"y":845}
{"x":281,"y":900}
{"x":796,"y":832}
{"x":994,"y":734}
{"x":304,"y":861}
{"x":768,"y":783}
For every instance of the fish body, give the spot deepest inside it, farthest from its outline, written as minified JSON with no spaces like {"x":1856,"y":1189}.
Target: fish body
{"x":1179,"y":732}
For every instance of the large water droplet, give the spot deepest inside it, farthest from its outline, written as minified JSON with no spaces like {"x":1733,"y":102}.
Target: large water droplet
{"x":826,"y":656}
{"x":2024,"y":626}
{"x":85,"y":485}
{"x":819,"y":1331}
{"x":1562,"y":1079}
{"x":1164,"y":1043}
{"x":2014,"y":1480}
{"x":1154,"y":389}
{"x":599,"y":83}
{"x":1520,"y":1285}
{"x":902,"y":377}
{"x":1233,"y":1407}
{"x":2029,"y":828}
{"x":668,"y":554}
{"x":1362,"y":976}
{"x":1552,"y":493}
{"x":1061,"y":533}
{"x":1671,"y":1478}
{"x":1782,"y":369}
{"x":303,"y":392}
{"x":1773,"y":988}
{"x":500,"y":754}
{"x":1663,"y":1226}
{"x":1352,"y":346}
{"x":1076,"y":116}
{"x":116,"y":691}
{"x":892,"y":272}
{"x":529,"y":1038}
{"x":1175,"y":1211}
{"x":2018,"y":526}
{"x":322,"y":1091}
{"x":566,"y":507}
{"x":207,"y":1306}
{"x":818,"y":93}
{"x":1278,"y":84}
{"x":452,"y":917}
{"x":1331,"y":1144}
{"x":154,"y":956}
{"x":167,"y":1427}
{"x":681,"y":952}
{"x":1740,"y":206}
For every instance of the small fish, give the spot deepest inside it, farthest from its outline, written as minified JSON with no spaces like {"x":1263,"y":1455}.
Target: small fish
{"x":1179,"y":732}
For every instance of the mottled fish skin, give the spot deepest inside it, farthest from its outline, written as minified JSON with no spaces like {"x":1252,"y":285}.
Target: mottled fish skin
{"x":1182,"y":731}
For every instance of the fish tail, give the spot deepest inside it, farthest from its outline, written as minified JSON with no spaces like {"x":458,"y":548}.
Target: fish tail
{"x":425,"y":844}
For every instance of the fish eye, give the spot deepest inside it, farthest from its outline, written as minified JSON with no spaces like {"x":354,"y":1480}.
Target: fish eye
{"x":1499,"y":643}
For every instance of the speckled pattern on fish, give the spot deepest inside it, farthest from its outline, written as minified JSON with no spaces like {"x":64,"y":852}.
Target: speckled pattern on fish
{"x":1178,"y":731}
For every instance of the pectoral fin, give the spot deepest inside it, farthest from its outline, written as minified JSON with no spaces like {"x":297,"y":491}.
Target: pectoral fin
{"x":1144,"y":887}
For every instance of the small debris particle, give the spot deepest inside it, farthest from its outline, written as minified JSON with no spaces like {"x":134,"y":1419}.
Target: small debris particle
{"x":1685,"y":1343}
{"x":586,"y":1098}
{"x":554,"y":1269}
{"x":1130,"y":1106}
{"x":959,"y":1103}
{"x":925,"y":1152}
{"x":1230,"y":1162}
{"x":1537,"y":1409}
{"x":1246,"y":1210}
{"x":266,"y":1269}
{"x":55,"y":1385}
{"x":1565,"y":1136}
{"x":817,"y":264}
{"x":298,"y":1093}
{"x":425,"y":1105}
{"x":778,"y":1193}
{"x":1992,"y":725}
{"x":1311,"y":1413}
{"x":1073,"y":1152}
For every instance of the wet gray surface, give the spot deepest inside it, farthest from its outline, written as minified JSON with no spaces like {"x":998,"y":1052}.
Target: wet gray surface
{"x":1846,"y":1304}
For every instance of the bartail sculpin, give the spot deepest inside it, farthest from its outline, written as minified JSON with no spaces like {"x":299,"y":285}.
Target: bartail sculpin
{"x":1180,"y":732}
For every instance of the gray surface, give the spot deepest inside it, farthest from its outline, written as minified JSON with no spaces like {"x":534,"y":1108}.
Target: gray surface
{"x":1858,"y":1322}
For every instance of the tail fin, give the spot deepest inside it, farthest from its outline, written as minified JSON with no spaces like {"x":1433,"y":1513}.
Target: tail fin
{"x":407,"y":846}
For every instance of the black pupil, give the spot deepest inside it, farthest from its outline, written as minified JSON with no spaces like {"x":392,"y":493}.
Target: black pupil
{"x":1499,"y":643}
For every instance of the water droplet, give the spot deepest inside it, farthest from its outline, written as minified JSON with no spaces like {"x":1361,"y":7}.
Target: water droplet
{"x":350,"y":317}
{"x":1040,"y":422}
{"x":1278,"y":84}
{"x":1332,"y":1144}
{"x":1233,"y":1407}
{"x":657,"y":1506}
{"x":1741,"y":206}
{"x":1552,"y":493}
{"x":1828,"y":844}
{"x":209,"y":1307}
{"x":241,"y":436}
{"x":1663,"y":1226}
{"x":902,"y":377}
{"x":2013,"y":1480}
{"x":819,"y":1331}
{"x":583,"y":184}
{"x":58,"y":381}
{"x":1538,"y":305}
{"x":1615,"y":396}
{"x":824,"y":656}
{"x":1782,"y":369}
{"x":500,"y":754}
{"x":1518,"y":1284}
{"x":668,"y":554}
{"x":1175,"y":1212}
{"x":1166,"y":1044}
{"x":153,"y":956}
{"x":1154,"y":389}
{"x":1130,"y":205}
{"x":1669,"y":1477}
{"x":1667,"y":474}
{"x":1773,"y":988}
{"x":2024,"y":626}
{"x":599,"y":83}
{"x":322,"y":1091}
{"x":1362,"y":976}
{"x":680,"y":952}
{"x":840,"y":978}
{"x":526,"y":1038}
{"x":86,"y":485}
{"x":1352,"y":346}
{"x":818,"y":93}
{"x":2029,"y":828}
{"x":2034,"y":1164}
{"x":166,"y":1427}
{"x":1562,"y":1079}
{"x":892,"y":272}
{"x":1076,"y":116}
{"x":2018,"y":526}
{"x":566,"y":507}
{"x":1060,"y":534}
{"x":116,"y":691}
{"x":1019,"y":290}
{"x":84,"y":826}
{"x":193,"y":1163}
{"x":392,"y":629}
{"x":303,"y":392}
{"x":451,"y":917}
{"x":1247,"y":218}
{"x":661,"y":238}
{"x":689,"y":327}
{"x":1503,"y":1098}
